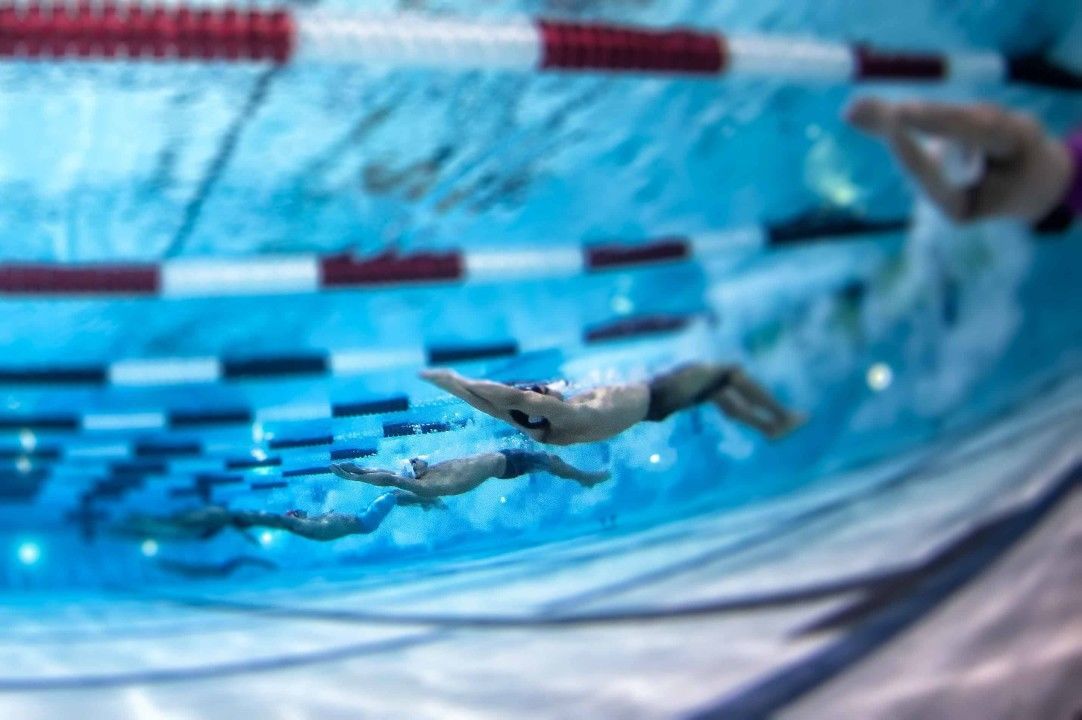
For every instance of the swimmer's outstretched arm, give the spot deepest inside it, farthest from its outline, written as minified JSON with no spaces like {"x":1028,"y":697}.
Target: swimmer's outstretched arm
{"x":495,"y":398}
{"x":379,"y":478}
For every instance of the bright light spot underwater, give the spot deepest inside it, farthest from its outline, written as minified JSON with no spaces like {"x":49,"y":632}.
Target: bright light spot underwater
{"x":29,"y":553}
{"x":655,"y":458}
{"x":149,"y":547}
{"x":622,"y":305}
{"x":880,"y":377}
{"x":27,"y":439}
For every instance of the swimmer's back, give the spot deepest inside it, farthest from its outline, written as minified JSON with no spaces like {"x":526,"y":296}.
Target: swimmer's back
{"x":599,"y":414}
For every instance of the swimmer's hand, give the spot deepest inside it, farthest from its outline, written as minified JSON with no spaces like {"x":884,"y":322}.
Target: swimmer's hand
{"x":404,"y":498}
{"x":447,"y":380}
{"x":1027,"y":171}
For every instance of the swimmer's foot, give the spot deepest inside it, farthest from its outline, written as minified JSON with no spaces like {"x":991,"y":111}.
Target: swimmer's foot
{"x":404,"y":498}
{"x":588,"y":480}
{"x":792,"y":422}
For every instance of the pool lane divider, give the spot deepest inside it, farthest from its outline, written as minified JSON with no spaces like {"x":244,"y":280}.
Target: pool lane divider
{"x":133,"y":32}
{"x":302,"y":274}
{"x":154,"y":372}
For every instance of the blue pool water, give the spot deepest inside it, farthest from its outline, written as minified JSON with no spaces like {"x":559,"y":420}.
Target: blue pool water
{"x":895,"y":344}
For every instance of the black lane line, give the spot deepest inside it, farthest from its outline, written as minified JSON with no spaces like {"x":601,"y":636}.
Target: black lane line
{"x":444,"y":355}
{"x":987,"y":544}
{"x":291,"y":443}
{"x":228,"y":145}
{"x":274,"y":367}
{"x":371,"y":407}
{"x":218,"y":670}
{"x":71,"y":375}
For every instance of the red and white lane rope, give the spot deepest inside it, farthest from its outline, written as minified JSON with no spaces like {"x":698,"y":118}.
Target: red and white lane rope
{"x":120,"y":31}
{"x":298,"y":274}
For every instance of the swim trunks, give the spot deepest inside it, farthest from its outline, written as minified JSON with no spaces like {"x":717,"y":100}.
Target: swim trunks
{"x":520,"y":462}
{"x":665,"y":397}
{"x":529,"y":423}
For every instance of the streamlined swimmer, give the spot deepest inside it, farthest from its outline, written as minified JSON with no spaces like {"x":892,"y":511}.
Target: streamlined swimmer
{"x":548,"y":417}
{"x":206,"y":522}
{"x":198,"y":571}
{"x":454,"y":477}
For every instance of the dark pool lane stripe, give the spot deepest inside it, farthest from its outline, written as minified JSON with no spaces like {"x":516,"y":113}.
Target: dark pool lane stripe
{"x":89,"y":279}
{"x":291,"y":443}
{"x":815,"y":227}
{"x":404,"y":429}
{"x":272,"y":485}
{"x":606,"y":257}
{"x":252,"y":463}
{"x":352,"y":453}
{"x":166,"y":450}
{"x":70,"y":375}
{"x":191,"y":419}
{"x":636,"y":327}
{"x":60,"y":423}
{"x":986,"y":544}
{"x":274,"y":367}
{"x":371,"y":407}
{"x":463,"y":353}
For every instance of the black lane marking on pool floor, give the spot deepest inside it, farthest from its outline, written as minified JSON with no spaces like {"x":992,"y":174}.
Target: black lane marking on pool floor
{"x":274,"y":367}
{"x":185,"y":419}
{"x":292,"y":443}
{"x":68,"y":375}
{"x":257,"y":94}
{"x":451,"y":354}
{"x":371,"y":407}
{"x":985,"y":544}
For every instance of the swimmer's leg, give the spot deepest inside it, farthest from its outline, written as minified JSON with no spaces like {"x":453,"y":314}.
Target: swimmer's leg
{"x":734,"y":407}
{"x":382,"y":506}
{"x":783,"y":420}
{"x":556,"y":466}
{"x":756,"y":395}
{"x":745,"y":400}
{"x":686,"y":385}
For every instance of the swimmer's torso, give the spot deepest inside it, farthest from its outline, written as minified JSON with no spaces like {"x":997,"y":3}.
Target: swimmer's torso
{"x":455,"y":477}
{"x":597,"y":414}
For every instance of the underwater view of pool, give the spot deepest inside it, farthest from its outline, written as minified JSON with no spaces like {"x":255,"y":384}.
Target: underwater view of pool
{"x":219,"y":279}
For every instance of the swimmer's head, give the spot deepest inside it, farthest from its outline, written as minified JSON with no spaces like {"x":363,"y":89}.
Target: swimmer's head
{"x":418,"y":466}
{"x":550,"y":389}
{"x":297,"y":514}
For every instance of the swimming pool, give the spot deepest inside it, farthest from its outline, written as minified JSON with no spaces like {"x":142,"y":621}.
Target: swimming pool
{"x":219,"y":278}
